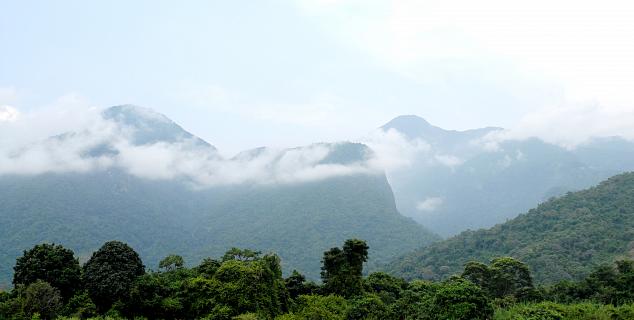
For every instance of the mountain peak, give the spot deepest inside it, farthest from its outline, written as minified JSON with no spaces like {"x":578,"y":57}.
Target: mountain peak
{"x":134,"y":115}
{"x":408,"y":120}
{"x":149,"y":126}
{"x":414,"y":127}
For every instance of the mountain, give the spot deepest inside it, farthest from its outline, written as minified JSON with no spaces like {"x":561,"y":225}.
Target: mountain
{"x":414,"y":127}
{"x":462,"y":182}
{"x":563,"y":238}
{"x":157,"y":187}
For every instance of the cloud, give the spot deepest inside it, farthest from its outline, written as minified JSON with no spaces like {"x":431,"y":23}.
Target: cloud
{"x":393,"y":150}
{"x":205,"y":168}
{"x":430,"y":204}
{"x":585,"y":46}
{"x":8,"y":114}
{"x":568,"y":125}
{"x":448,"y":160}
{"x":71,"y":136}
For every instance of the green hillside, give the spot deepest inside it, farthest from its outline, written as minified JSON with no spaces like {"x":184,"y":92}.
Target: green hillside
{"x":298,"y":221}
{"x":563,"y":238}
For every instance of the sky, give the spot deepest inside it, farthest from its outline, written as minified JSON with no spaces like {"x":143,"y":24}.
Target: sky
{"x":244,"y":74}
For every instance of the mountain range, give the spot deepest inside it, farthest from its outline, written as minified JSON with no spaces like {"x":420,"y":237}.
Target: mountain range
{"x":142,"y":179}
{"x":470,"y":180}
{"x":136,"y":176}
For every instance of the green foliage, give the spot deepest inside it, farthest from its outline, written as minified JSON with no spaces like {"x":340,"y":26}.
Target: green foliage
{"x":171,"y":263}
{"x":237,"y":286}
{"x":247,"y":316}
{"x":317,"y":307}
{"x":297,"y":285}
{"x":562,"y":239}
{"x":556,"y":311}
{"x":252,"y":285}
{"x":81,"y":306}
{"x":387,"y":287}
{"x":42,"y":299}
{"x":241,"y":255}
{"x":110,"y":273}
{"x":248,"y":285}
{"x":504,"y":278}
{"x":208,"y":267}
{"x":158,"y":295}
{"x":607,"y":284}
{"x":458,"y":298}
{"x":342,"y":270}
{"x":369,"y":307}
{"x":51,"y":263}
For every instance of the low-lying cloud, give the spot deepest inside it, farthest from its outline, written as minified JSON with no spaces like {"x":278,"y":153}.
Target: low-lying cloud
{"x":572,"y":125}
{"x":430,"y":204}
{"x":94,"y":143}
{"x":71,"y":136}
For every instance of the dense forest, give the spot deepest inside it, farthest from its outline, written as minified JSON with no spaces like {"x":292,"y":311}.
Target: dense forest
{"x":50,"y":283}
{"x":562,"y":239}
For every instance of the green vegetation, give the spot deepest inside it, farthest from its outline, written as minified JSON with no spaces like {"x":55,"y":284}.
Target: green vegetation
{"x":110,"y":273}
{"x":564,"y":238}
{"x":556,"y":311}
{"x":248,"y":285}
{"x":50,"y":263}
{"x":299,"y":221}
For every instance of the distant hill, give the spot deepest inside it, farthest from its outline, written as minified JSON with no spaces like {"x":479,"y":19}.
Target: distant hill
{"x":460,"y":183}
{"x":563,"y":238}
{"x":297,"y":219}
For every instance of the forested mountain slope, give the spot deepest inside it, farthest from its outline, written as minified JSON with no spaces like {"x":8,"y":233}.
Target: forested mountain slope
{"x":563,"y":238}
{"x":297,"y":219}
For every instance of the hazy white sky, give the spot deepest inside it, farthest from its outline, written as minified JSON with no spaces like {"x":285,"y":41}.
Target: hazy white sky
{"x":242,"y":74}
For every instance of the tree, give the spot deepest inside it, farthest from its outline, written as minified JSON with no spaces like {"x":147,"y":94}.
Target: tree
{"x":111,"y":272}
{"x":478,"y":273}
{"x":51,"y":263}
{"x":241,"y":255}
{"x":156,"y":296}
{"x":369,"y":307}
{"x":386,"y":286}
{"x":458,"y":298}
{"x":41,"y":298}
{"x":504,"y":277}
{"x":252,"y":286}
{"x":171,"y":263}
{"x":297,"y":285}
{"x":342,"y":270}
{"x":207,"y":268}
{"x":509,"y":277}
{"x":320,"y":308}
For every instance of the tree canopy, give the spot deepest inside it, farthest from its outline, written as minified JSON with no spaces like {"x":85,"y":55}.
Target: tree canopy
{"x":110,"y":273}
{"x":50,"y":263}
